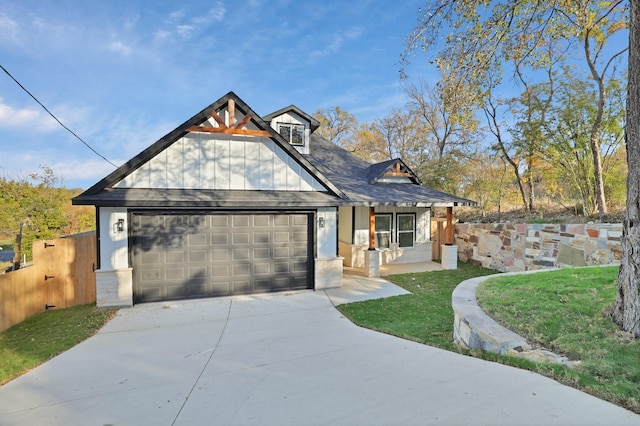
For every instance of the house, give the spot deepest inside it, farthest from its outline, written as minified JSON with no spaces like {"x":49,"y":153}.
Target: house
{"x":232,"y":203}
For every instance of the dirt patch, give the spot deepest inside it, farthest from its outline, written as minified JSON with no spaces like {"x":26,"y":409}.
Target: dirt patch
{"x":560,"y":215}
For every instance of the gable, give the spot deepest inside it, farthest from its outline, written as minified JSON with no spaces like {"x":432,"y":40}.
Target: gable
{"x":223,"y":162}
{"x":290,"y":120}
{"x":224,"y":147}
{"x":391,"y":171}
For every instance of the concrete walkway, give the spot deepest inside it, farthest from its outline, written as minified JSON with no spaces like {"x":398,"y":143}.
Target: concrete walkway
{"x":281,"y":359}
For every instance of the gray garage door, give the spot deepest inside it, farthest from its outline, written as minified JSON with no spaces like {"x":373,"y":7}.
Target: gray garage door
{"x":180,"y":256}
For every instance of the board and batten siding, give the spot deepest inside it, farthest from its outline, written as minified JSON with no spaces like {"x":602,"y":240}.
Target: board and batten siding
{"x":225,"y":162}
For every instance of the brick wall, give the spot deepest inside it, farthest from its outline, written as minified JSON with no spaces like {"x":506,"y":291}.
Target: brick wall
{"x":509,"y":247}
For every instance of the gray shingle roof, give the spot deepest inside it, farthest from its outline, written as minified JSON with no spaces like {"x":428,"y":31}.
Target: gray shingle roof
{"x":351,"y":174}
{"x":347,"y":178}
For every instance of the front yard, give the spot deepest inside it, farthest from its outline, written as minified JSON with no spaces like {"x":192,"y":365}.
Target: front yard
{"x":566,"y":312}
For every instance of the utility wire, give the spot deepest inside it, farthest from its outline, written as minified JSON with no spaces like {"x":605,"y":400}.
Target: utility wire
{"x":56,"y":118}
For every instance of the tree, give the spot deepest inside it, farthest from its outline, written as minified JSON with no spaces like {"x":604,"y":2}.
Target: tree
{"x":446,"y":115}
{"x":41,"y":207}
{"x":369,"y":144}
{"x":482,"y":36}
{"x":337,"y":126}
{"x":626,"y":310}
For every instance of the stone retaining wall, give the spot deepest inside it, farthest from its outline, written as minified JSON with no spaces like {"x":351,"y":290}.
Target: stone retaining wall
{"x":509,"y":247}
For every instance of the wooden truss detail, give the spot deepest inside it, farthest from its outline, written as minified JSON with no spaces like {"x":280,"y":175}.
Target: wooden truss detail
{"x":235,"y":129}
{"x":397,"y":170}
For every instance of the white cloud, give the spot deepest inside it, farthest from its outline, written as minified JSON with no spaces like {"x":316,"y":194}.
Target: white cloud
{"x":120,"y":47}
{"x":8,"y":29}
{"x":337,"y":41}
{"x":32,"y":119}
{"x":177,"y":25}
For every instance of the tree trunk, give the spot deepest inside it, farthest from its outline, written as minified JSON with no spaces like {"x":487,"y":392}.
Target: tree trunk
{"x":626,"y":310}
{"x":594,"y":139}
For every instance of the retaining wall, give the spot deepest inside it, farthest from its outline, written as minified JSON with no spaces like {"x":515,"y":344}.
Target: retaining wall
{"x":510,"y":247}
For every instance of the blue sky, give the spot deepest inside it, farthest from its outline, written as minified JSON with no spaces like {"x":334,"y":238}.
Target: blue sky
{"x":123,"y":73}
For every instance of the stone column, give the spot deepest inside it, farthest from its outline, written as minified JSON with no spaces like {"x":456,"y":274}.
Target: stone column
{"x":372,"y":263}
{"x":449,"y":255}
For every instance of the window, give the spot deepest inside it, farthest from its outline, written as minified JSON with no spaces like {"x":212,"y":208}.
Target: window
{"x":406,"y":230}
{"x":292,"y":133}
{"x":383,"y":231}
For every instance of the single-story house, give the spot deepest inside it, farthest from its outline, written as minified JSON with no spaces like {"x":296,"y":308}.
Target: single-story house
{"x":233,"y":203}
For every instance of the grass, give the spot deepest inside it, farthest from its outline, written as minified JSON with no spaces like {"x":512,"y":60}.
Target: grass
{"x":45,"y":335}
{"x":567,"y":311}
{"x":570,"y":316}
{"x":6,"y":245}
{"x":425,"y":315}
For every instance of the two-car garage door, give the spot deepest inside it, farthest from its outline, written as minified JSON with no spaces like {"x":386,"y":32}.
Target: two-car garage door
{"x":179,"y":256}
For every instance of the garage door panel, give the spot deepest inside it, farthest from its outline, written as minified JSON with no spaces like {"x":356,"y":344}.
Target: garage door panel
{"x":241,"y":221}
{"x":241,"y":269}
{"x":241,"y":238}
{"x":281,"y":220}
{"x":150,"y":258}
{"x":242,"y":253}
{"x":259,"y":221}
{"x":242,"y":287}
{"x":299,"y":266}
{"x":220,"y":221}
{"x":219,"y":239}
{"x":299,"y":251}
{"x":261,"y":253}
{"x":220,"y":255}
{"x":151,"y":275}
{"x":281,"y":252}
{"x":221,"y":271}
{"x":198,"y":256}
{"x":261,"y":268}
{"x":175,"y":273}
{"x":262,"y":237}
{"x":174,"y":256}
{"x":204,"y":255}
{"x":198,"y":240}
{"x":281,"y":237}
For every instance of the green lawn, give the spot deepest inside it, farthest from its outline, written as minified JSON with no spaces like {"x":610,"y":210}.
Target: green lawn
{"x":425,"y":315}
{"x":568,"y":311}
{"x":45,"y":335}
{"x":572,"y":310}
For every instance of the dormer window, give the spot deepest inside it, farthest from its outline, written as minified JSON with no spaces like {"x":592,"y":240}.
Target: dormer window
{"x":292,"y":133}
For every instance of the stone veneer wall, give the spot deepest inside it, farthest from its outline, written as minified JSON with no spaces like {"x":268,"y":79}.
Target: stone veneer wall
{"x":511,"y":247}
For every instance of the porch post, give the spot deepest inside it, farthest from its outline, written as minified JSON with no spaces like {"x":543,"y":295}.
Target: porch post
{"x":449,"y":253}
{"x":449,"y":237}
{"x":372,"y":256}
{"x":372,"y":229}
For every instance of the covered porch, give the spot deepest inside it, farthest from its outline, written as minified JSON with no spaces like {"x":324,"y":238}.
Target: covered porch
{"x":382,"y":240}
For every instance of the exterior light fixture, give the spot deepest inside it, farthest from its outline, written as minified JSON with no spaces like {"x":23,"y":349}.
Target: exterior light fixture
{"x":321,"y":222}
{"x":118,"y":226}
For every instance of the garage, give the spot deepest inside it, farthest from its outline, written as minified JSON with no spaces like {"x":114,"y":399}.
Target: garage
{"x":202,"y":254}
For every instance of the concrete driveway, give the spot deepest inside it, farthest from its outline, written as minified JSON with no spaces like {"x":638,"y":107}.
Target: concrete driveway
{"x":283,"y":359}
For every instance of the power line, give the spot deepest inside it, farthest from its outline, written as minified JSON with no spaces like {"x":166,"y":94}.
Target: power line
{"x":56,"y":118}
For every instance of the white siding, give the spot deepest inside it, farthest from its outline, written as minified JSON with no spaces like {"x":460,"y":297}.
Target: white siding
{"x":327,"y":235}
{"x":199,"y":161}
{"x":345,"y":219}
{"x":114,"y":248}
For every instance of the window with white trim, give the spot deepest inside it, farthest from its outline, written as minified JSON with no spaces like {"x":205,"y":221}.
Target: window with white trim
{"x":292,"y":133}
{"x":406,"y":229}
{"x":383,"y":231}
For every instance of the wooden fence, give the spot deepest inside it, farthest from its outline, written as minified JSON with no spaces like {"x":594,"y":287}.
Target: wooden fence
{"x":62,"y":276}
